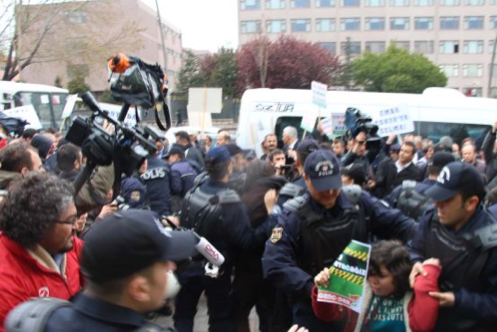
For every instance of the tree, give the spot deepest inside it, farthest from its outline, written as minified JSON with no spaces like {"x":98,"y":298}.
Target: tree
{"x":397,"y":71}
{"x":190,"y":76}
{"x":61,"y":30}
{"x":290,"y":63}
{"x":58,"y":82}
{"x":346,"y":75}
{"x":78,"y":84}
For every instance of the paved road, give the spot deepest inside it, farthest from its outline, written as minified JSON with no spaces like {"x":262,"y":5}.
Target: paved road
{"x":201,"y":319}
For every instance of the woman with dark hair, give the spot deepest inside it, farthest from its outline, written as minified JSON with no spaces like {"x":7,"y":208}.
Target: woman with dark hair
{"x":388,"y":303}
{"x":249,"y":287}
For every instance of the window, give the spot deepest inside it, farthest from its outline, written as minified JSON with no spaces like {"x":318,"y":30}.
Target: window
{"x":250,"y":4}
{"x":474,"y":2}
{"x":493,"y":22}
{"x":493,"y":2}
{"x":449,"y":23}
{"x":448,"y":47}
{"x":250,"y":26}
{"x":494,"y":72}
{"x":399,"y":23}
{"x":325,"y":24}
{"x":449,"y":2}
{"x":404,"y":45}
{"x":77,"y":17}
{"x":375,"y":47}
{"x":375,"y":23}
{"x":493,"y":92}
{"x":276,"y":26}
{"x":450,"y":70}
{"x":350,"y":3}
{"x":301,"y":25}
{"x":300,"y":3}
{"x":424,"y":47}
{"x":473,"y":46}
{"x":350,"y":24}
{"x":330,"y":47}
{"x":490,"y":46}
{"x":375,"y":3}
{"x":473,"y":22}
{"x":472,"y":70}
{"x":423,"y":3}
{"x":275,"y":4}
{"x":399,"y":3}
{"x":423,"y":23}
{"x":325,"y":3}
{"x":354,"y":47}
{"x":472,"y":92}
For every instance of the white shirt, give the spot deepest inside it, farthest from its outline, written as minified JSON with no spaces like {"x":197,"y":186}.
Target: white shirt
{"x":400,"y":167}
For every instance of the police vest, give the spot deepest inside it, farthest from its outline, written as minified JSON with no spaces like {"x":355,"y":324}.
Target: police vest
{"x":412,"y":203}
{"x":201,"y":211}
{"x":324,"y":238}
{"x":462,"y":260}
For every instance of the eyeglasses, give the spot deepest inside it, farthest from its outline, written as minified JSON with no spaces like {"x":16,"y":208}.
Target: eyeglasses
{"x":70,"y":221}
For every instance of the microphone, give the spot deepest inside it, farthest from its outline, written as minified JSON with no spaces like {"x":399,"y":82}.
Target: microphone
{"x":209,"y":251}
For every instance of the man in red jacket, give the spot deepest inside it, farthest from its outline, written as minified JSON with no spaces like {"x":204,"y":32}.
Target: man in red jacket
{"x":38,"y":249}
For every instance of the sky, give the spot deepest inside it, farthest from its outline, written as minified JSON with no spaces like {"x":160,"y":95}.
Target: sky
{"x":204,"y":24}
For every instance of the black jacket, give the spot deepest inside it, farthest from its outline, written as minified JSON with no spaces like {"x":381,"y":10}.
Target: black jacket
{"x":387,"y":177}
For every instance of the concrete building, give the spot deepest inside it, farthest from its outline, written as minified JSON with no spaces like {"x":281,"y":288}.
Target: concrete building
{"x":100,"y":29}
{"x":457,"y":35}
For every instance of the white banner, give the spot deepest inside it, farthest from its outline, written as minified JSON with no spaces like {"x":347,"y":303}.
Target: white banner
{"x":206,"y":100}
{"x":71,"y":101}
{"x":395,"y":120}
{"x":319,"y":94}
{"x":27,"y":113}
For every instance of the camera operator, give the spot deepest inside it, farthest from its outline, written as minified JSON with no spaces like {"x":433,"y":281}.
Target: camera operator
{"x":358,"y":152}
{"x":277,"y":159}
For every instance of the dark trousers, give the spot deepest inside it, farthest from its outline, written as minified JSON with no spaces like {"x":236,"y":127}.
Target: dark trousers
{"x":219,"y":302}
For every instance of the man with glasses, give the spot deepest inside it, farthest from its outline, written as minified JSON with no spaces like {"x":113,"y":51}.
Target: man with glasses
{"x":38,"y":249}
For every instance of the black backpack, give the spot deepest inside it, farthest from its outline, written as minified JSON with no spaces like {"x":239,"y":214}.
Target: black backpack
{"x":33,"y":315}
{"x":412,"y":203}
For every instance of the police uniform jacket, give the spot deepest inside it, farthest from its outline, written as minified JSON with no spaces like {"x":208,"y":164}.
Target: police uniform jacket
{"x":284,"y":249}
{"x":420,"y":188}
{"x":156,"y":178}
{"x":480,"y":304}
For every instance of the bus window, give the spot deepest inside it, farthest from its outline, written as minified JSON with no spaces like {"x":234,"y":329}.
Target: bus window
{"x":41,"y":103}
{"x":58,"y":103}
{"x":458,"y":131}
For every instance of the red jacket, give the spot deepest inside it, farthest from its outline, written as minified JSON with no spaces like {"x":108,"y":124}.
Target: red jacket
{"x":22,"y":276}
{"x":422,"y":308}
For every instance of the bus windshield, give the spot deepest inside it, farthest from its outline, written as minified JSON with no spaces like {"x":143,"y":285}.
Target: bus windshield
{"x":49,"y":106}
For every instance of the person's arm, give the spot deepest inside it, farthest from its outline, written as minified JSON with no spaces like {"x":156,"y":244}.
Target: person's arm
{"x":417,"y":244}
{"x":423,"y":309}
{"x":387,"y":223}
{"x":175,"y":184}
{"x":488,"y":145}
{"x":279,"y":260}
{"x":325,"y":311}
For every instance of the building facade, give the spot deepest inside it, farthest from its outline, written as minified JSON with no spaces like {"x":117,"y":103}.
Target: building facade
{"x":457,"y":35}
{"x":100,"y":29}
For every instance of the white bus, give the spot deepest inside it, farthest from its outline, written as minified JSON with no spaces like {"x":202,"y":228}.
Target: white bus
{"x":48,"y":101}
{"x":436,"y":112}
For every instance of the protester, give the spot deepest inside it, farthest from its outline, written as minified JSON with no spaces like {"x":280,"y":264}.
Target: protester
{"x":388,"y":303}
{"x":469,"y":156}
{"x":223,"y":138}
{"x":269,"y":144}
{"x":18,"y":160}
{"x":291,"y":143}
{"x":38,"y":249}
{"x":69,"y":162}
{"x":191,"y":153}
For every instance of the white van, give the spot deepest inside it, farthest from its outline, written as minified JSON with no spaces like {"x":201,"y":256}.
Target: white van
{"x":436,"y":112}
{"x":48,"y":101}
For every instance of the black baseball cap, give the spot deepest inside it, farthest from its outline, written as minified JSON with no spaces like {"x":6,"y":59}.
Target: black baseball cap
{"x":175,"y":149}
{"x":454,"y":177}
{"x":323,"y":169}
{"x":308,"y":145}
{"x":127,"y":242}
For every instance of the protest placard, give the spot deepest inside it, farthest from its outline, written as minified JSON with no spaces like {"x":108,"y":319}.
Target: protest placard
{"x":27,"y":113}
{"x":394,"y":120}
{"x":319,"y":91}
{"x":71,"y":101}
{"x":348,"y":277}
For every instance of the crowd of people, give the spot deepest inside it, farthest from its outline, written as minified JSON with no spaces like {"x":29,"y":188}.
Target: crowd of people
{"x":280,"y":221}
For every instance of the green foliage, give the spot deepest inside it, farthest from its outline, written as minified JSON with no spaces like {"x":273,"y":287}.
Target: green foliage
{"x":77,"y":85}
{"x":225,"y":73}
{"x":397,"y":71}
{"x":346,"y":72}
{"x":58,"y":81}
{"x":189,"y":75}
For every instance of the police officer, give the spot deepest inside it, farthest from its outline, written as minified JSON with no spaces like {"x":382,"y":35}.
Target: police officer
{"x":156,"y":179}
{"x":459,"y":231}
{"x":314,"y":229}
{"x":128,"y":260}
{"x":215,"y":212}
{"x":410,"y":197}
